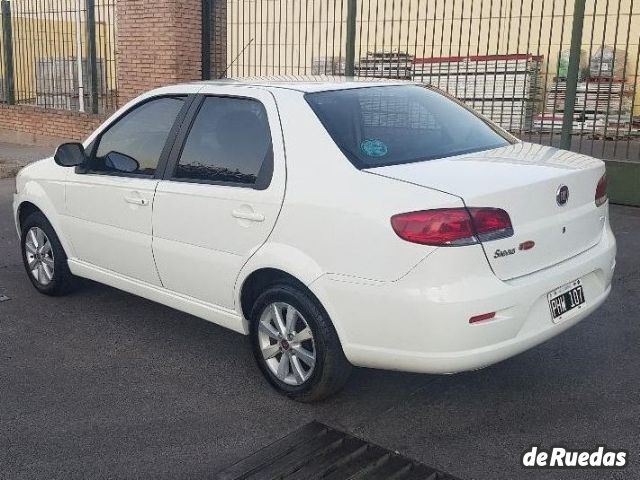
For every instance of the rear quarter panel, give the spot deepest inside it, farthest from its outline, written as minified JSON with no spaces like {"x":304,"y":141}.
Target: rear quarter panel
{"x":337,"y":216}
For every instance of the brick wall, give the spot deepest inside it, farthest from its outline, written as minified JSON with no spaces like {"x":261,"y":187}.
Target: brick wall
{"x":159,"y":43}
{"x":37,"y":121}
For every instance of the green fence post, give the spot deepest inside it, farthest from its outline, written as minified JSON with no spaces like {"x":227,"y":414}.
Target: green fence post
{"x":572,"y":74}
{"x":350,"y":54}
{"x":7,"y":43}
{"x":91,"y":53}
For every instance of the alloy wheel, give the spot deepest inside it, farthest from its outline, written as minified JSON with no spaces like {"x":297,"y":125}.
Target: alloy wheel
{"x":287,"y":344}
{"x":39,"y":255}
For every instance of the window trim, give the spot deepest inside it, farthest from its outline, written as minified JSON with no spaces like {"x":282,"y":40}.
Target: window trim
{"x":92,"y":148}
{"x":265,"y":174}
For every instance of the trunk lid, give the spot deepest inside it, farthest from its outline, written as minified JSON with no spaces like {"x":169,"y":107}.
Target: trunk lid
{"x":523,"y":179}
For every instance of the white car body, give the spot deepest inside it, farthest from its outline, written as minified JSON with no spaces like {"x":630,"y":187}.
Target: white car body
{"x":394,"y":304}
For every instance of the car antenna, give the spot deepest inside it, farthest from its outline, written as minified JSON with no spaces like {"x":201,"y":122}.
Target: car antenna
{"x":234,"y":60}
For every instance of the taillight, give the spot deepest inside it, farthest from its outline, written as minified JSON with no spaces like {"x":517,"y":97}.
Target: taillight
{"x":491,"y":223}
{"x":452,"y":226}
{"x":601,"y":191}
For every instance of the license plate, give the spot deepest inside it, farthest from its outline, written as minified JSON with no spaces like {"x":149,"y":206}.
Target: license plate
{"x":564,"y":299}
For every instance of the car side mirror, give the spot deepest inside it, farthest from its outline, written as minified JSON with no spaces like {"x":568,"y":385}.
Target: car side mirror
{"x":70,"y":155}
{"x":121,"y":162}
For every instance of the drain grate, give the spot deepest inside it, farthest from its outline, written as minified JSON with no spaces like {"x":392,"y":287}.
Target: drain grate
{"x":318,"y":451}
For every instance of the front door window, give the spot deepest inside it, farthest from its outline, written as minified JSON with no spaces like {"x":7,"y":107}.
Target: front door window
{"x":134,"y":144}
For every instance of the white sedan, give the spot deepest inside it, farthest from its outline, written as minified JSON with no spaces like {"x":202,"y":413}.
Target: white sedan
{"x":376,"y":224}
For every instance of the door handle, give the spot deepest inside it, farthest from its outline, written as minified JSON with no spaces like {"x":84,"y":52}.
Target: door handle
{"x":136,"y":201}
{"x":252,"y":216}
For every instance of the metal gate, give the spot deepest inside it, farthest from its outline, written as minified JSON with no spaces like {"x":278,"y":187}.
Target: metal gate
{"x":59,"y":54}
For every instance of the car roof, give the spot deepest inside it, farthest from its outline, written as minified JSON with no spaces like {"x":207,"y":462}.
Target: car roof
{"x":315,"y":83}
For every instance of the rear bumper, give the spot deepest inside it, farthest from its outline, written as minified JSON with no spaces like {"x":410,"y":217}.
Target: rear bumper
{"x":420,"y":323}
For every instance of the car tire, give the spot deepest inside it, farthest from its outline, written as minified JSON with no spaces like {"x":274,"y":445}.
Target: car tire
{"x":298,"y":380}
{"x":42,"y":249}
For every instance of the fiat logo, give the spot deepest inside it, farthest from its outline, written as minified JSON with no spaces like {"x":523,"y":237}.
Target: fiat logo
{"x":562,"y":195}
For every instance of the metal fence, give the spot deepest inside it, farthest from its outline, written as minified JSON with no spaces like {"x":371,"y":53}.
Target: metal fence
{"x":512,"y":60}
{"x":59,"y":54}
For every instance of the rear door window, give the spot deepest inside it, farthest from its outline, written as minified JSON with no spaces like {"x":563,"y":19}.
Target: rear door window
{"x":229,"y":142}
{"x":391,"y":125}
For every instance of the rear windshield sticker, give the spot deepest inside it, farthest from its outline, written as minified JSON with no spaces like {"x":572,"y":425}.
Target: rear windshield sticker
{"x":373,"y":148}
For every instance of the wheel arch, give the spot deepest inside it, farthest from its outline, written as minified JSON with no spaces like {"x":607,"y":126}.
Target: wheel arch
{"x":36,"y":200}
{"x":25,"y":209}
{"x":276,"y":261}
{"x":259,"y":279}
{"x":255,"y":283}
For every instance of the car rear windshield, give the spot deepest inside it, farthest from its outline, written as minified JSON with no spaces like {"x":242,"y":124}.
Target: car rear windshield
{"x":391,"y":125}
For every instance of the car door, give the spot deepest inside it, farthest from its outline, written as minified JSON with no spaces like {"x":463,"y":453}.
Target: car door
{"x":221,"y":195}
{"x":108,"y":211}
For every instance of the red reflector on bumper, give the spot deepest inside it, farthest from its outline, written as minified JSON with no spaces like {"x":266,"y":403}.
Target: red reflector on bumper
{"x":528,"y":245}
{"x":484,"y":316}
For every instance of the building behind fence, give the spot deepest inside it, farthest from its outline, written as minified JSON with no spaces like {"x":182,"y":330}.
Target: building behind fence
{"x":507,"y":59}
{"x":59,"y":49}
